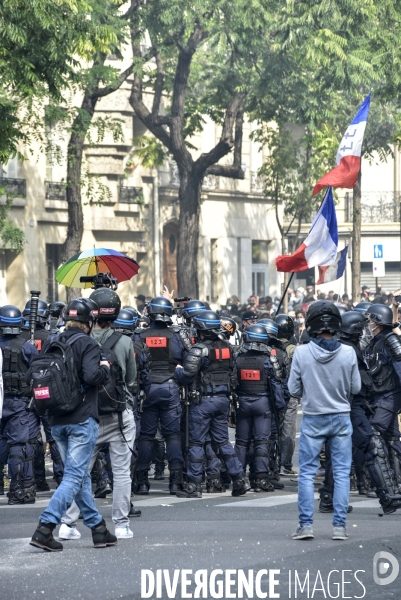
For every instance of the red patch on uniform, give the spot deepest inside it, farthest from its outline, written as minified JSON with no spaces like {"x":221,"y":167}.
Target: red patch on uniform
{"x":249,"y":375}
{"x":72,"y":312}
{"x":192,"y":340}
{"x":156,"y":342}
{"x":273,"y":352}
{"x":38,"y":344}
{"x":223,"y":354}
{"x":41,"y":393}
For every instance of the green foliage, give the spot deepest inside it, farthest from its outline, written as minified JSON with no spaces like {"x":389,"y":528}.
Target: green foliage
{"x":42,"y":44}
{"x":148,"y":152}
{"x":12,"y":237}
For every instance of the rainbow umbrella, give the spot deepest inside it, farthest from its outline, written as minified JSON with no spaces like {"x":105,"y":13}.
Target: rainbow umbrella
{"x":91,"y":262}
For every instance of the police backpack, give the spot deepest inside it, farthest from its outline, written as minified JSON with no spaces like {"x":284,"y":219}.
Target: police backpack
{"x":54,"y":379}
{"x":112,"y":397}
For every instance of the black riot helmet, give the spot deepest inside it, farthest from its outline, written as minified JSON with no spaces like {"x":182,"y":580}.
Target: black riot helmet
{"x":270,"y":326}
{"x":380,"y":314}
{"x":10,"y":320}
{"x":228,"y":326}
{"x":352,"y":325}
{"x":126,"y":320}
{"x":43,"y":311}
{"x":285,"y":325}
{"x":192,"y":308}
{"x":362,"y":307}
{"x":256,"y":338}
{"x":341,"y":309}
{"x":56,"y":309}
{"x":109,"y":303}
{"x":322,"y":316}
{"x":208,"y":324}
{"x":160,"y":309}
{"x":84,"y":310}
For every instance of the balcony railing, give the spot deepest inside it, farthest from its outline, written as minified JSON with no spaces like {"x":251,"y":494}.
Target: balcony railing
{"x":376,"y":207}
{"x":130,"y":195}
{"x":211,"y":182}
{"x":55,"y":191}
{"x":257,"y":183}
{"x":14,"y":187}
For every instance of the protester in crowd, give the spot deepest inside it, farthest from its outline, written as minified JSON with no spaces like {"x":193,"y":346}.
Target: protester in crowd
{"x":299,"y":325}
{"x":253,"y":302}
{"x":299,"y":299}
{"x":325,"y":375}
{"x":249,"y":317}
{"x":140,"y":302}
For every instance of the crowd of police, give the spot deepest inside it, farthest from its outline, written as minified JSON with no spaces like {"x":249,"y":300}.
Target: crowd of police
{"x":184,"y":376}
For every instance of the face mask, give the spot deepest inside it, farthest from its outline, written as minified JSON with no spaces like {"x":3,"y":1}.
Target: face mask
{"x":371,"y":328}
{"x":300,"y":320}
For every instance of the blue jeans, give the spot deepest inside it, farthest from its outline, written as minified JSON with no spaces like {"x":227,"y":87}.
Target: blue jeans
{"x":76,"y":444}
{"x":336,"y":431}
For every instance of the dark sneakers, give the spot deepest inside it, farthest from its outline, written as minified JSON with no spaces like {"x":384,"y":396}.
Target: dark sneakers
{"x":102,"y":537}
{"x":134,"y":512}
{"x":43,"y":538}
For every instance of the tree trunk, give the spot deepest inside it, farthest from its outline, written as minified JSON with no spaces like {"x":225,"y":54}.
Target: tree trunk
{"x":75,"y":228}
{"x":188,"y":233}
{"x":356,"y":240}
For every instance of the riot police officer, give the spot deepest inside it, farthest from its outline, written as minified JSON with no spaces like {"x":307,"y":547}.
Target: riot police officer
{"x":187,"y":331}
{"x":210,"y":364}
{"x":17,"y":356}
{"x":383,"y":356}
{"x":126,"y":321}
{"x":281,"y":363}
{"x":256,"y":382}
{"x":351,"y":331}
{"x":287,"y":341}
{"x":56,"y":310}
{"x":160,"y":352}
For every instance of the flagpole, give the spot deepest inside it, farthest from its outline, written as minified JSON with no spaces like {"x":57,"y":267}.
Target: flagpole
{"x":285,"y":291}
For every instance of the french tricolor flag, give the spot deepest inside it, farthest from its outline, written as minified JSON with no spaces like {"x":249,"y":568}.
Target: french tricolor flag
{"x":334,"y":271}
{"x":320,"y":247}
{"x":348,"y":159}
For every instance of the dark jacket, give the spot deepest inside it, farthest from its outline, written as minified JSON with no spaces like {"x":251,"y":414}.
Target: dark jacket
{"x":87,"y":355}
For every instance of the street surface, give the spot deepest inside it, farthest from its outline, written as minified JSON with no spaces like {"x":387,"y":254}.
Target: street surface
{"x":215,"y":532}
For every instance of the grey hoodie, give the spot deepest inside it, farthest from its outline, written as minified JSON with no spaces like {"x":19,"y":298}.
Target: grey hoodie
{"x":123,"y":350}
{"x":324,"y":379}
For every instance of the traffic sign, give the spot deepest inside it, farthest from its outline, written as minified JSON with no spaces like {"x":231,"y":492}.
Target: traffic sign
{"x":379,"y":267}
{"x":378,"y":251}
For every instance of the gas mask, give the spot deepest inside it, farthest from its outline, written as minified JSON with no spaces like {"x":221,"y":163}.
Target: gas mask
{"x":369,"y":330}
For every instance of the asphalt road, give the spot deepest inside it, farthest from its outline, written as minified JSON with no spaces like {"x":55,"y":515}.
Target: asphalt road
{"x":215,"y":532}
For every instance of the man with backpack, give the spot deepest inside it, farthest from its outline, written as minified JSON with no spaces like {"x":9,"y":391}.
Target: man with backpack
{"x":116,"y":418}
{"x":65,"y":381}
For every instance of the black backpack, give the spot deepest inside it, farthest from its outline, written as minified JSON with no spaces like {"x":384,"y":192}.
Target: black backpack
{"x":112,"y":396}
{"x":54,"y":379}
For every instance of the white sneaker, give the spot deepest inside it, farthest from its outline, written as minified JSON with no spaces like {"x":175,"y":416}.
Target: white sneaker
{"x":124,"y":533}
{"x":68,"y":533}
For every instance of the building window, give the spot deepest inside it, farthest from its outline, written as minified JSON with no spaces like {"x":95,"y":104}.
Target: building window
{"x":52,"y":262}
{"x":260,"y":267}
{"x":260,"y":252}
